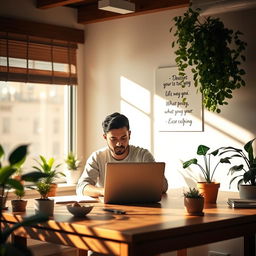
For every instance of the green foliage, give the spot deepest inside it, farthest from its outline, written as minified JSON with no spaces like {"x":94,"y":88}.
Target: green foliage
{"x":208,"y":173}
{"x":47,"y":167}
{"x":193,"y":193}
{"x":248,"y":169}
{"x":72,"y":162}
{"x":15,"y":160}
{"x":43,"y":189}
{"x":19,"y":193}
{"x":214,"y":54}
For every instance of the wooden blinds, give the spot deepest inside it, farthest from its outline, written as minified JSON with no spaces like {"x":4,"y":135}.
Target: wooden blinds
{"x":27,"y":57}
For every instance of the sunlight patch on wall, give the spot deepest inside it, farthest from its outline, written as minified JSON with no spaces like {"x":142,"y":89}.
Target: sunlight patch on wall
{"x":136,"y":105}
{"x":135,"y":94}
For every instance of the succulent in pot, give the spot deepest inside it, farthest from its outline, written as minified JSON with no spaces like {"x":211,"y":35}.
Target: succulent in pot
{"x":208,"y":188}
{"x":244,"y":173}
{"x":194,"y":202}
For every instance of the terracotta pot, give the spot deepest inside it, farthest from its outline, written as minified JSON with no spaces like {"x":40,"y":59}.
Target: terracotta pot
{"x":44,"y":206}
{"x":19,"y":205}
{"x":209,"y":191}
{"x":247,"y":191}
{"x":53,"y":190}
{"x":194,"y":206}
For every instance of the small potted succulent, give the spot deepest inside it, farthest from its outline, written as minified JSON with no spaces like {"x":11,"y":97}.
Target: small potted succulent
{"x":19,"y":205}
{"x":47,"y":167}
{"x":244,"y":173}
{"x":73,"y":171}
{"x":208,"y":187}
{"x":43,"y":204}
{"x":194,"y":202}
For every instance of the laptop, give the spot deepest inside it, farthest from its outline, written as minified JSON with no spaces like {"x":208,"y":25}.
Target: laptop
{"x":127,"y":182}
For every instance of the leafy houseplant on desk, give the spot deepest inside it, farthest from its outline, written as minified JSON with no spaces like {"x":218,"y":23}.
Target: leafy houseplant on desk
{"x":44,"y":205}
{"x":245,"y":172}
{"x":6,"y":182}
{"x":73,"y":171}
{"x":194,"y":202}
{"x":47,"y":167}
{"x":208,"y":188}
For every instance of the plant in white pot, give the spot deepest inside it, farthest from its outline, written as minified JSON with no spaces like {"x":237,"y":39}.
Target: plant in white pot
{"x":47,"y":167}
{"x":208,"y":187}
{"x":245,"y":172}
{"x":43,"y":204}
{"x":73,"y":171}
{"x":194,"y":202}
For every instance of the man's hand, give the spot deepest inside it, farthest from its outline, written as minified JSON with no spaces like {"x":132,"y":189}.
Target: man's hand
{"x":93,"y":191}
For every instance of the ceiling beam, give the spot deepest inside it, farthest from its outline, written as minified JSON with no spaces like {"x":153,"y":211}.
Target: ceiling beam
{"x":91,"y":13}
{"x":45,"y":4}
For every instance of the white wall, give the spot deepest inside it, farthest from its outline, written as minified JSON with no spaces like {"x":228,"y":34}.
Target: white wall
{"x":134,"y":48}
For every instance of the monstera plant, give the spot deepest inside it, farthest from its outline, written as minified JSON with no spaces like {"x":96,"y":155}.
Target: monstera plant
{"x":213,"y":53}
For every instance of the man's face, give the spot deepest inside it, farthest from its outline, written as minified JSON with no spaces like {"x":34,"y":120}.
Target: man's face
{"x":118,"y":142}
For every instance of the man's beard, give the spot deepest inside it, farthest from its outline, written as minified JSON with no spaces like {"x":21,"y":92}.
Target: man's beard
{"x":120,"y":150}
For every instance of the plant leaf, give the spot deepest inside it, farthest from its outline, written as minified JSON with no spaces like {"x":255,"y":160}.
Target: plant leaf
{"x":18,"y":154}
{"x":189,"y":162}
{"x":202,"y":150}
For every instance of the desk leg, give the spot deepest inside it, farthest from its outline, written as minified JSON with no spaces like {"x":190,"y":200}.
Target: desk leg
{"x":18,"y":240}
{"x":249,"y":245}
{"x":81,"y":252}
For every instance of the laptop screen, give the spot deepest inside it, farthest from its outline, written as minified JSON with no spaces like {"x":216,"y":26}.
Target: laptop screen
{"x":127,"y":182}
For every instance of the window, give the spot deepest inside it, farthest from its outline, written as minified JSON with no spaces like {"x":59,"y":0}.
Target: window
{"x":35,"y":114}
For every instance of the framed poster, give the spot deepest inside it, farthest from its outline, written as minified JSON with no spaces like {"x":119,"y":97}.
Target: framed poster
{"x":178,"y":106}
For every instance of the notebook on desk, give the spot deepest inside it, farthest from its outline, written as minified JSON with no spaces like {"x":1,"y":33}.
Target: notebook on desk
{"x":127,"y":182}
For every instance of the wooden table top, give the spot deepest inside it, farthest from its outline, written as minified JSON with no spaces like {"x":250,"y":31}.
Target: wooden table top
{"x":166,"y":219}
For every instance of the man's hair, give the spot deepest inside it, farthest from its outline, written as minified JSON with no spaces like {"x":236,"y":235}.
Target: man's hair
{"x":115,"y":121}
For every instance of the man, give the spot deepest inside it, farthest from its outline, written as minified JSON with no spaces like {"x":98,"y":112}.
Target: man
{"x":117,"y":135}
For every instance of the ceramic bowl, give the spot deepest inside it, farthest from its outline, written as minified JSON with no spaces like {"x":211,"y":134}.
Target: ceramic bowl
{"x":79,"y":211}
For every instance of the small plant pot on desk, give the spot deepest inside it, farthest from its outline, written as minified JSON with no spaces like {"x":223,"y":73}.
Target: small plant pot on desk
{"x":44,"y":206}
{"x":209,"y":191}
{"x":19,"y":205}
{"x":194,"y":206}
{"x":247,"y":192}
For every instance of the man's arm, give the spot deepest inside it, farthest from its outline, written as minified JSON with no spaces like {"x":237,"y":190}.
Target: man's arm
{"x":94,"y":191}
{"x":89,"y":178}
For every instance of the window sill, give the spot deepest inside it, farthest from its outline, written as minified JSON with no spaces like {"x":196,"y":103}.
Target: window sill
{"x":63,"y":189}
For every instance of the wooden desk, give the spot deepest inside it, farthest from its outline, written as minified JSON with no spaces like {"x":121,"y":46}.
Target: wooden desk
{"x":144,"y":230}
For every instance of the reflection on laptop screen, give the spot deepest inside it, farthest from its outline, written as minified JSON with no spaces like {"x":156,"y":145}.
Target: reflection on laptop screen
{"x":139,"y":182}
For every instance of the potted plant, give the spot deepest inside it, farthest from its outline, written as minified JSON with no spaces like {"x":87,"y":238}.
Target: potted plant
{"x":47,"y":167}
{"x":245,"y":173}
{"x":194,"y":202}
{"x":44,"y":205}
{"x":208,"y":187}
{"x":214,"y":54}
{"x":72,"y":172}
{"x":19,"y":205}
{"x":6,"y":181}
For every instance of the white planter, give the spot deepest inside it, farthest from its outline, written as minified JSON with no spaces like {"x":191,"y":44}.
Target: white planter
{"x":44,"y":206}
{"x":72,"y":176}
{"x":247,"y":191}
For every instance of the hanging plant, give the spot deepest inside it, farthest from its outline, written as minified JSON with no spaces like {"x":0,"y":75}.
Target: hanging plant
{"x":214,"y":54}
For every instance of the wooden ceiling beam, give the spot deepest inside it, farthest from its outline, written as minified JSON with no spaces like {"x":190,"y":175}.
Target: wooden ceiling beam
{"x":91,"y":13}
{"x":46,"y":4}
